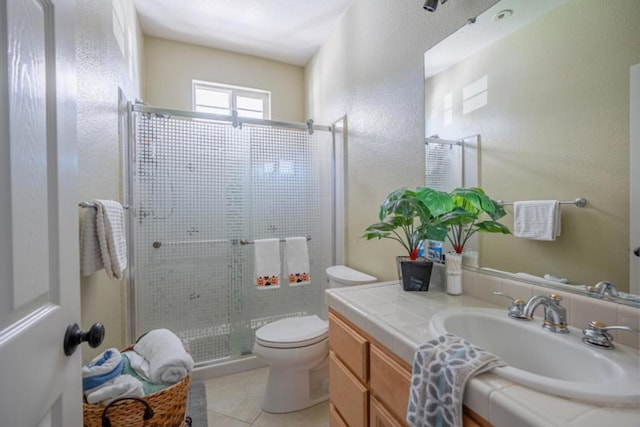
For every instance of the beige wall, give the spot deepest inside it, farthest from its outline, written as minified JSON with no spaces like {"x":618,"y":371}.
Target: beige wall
{"x":101,"y":70}
{"x":556,"y":127}
{"x":171,"y":66}
{"x":371,"y":69}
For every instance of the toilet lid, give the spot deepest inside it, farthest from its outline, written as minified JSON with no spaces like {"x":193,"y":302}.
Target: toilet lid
{"x":293,"y":332}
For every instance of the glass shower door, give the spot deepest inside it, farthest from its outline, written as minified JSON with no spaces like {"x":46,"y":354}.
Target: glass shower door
{"x":189,"y":178}
{"x":199,"y":189}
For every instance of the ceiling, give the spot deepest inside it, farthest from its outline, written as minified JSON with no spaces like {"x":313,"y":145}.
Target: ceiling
{"x":500,"y":20}
{"x":289,"y":31}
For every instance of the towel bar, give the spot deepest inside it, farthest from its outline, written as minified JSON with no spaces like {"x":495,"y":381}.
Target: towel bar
{"x":158,"y":244}
{"x":251,"y":242}
{"x":93,"y":205}
{"x":579,"y":202}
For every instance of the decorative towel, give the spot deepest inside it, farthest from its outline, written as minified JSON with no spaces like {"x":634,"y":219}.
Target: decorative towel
{"x":297,"y":255}
{"x":537,"y":219}
{"x":267,"y":263}
{"x":91,"y":260}
{"x":102,"y":369}
{"x":441,"y":368}
{"x":147,"y":386}
{"x":111,"y":237}
{"x":168,"y":360}
{"x":121,"y":386}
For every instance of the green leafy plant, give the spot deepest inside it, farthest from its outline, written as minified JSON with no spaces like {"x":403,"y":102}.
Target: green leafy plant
{"x":463,"y":220}
{"x":410,"y":216}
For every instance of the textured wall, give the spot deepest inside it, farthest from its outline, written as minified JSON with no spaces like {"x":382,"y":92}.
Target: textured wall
{"x":101,"y":69}
{"x":171,"y":66}
{"x":555,"y":129}
{"x":371,"y":69}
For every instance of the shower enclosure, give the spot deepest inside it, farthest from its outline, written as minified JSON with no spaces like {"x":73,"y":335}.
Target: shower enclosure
{"x":201,"y":189}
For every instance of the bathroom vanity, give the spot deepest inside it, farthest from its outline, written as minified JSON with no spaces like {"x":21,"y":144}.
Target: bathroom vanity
{"x":369,"y":384}
{"x":375,"y":329}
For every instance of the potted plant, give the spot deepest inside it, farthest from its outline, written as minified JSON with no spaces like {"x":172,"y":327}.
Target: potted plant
{"x":410,"y":217}
{"x":463,"y":220}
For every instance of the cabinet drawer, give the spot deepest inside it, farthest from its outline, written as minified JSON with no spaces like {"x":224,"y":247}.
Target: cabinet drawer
{"x":351,"y":347}
{"x":390,"y":382}
{"x":348,"y":395}
{"x":380,"y":417}
{"x":335,"y":420}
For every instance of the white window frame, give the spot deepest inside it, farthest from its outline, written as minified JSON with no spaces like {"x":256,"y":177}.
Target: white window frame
{"x":235,"y":92}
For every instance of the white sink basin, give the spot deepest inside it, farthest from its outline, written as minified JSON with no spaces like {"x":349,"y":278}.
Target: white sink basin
{"x":560,"y":364}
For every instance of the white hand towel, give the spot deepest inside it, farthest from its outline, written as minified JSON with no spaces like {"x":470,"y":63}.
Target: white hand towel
{"x":267,"y":263}
{"x":297,"y":255}
{"x":537,"y":219}
{"x":168,"y":360}
{"x":111,"y":237}
{"x":89,"y":247}
{"x":121,"y":386}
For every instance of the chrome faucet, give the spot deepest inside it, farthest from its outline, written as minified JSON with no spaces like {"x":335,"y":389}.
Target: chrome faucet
{"x":555,"y":315}
{"x":602,"y":288}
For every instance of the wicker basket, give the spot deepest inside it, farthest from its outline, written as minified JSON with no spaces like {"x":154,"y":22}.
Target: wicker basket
{"x":169,"y":406}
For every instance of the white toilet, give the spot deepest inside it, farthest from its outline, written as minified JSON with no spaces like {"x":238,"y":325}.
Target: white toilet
{"x":297,"y":351}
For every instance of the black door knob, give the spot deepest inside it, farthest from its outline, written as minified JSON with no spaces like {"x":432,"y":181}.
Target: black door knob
{"x":636,"y":251}
{"x":74,"y":336}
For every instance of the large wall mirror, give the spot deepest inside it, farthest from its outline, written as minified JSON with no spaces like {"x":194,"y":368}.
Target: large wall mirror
{"x":550,"y":101}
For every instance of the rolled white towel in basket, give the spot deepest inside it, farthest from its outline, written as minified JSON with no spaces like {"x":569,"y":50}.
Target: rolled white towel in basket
{"x":121,"y":386}
{"x":168,"y":360}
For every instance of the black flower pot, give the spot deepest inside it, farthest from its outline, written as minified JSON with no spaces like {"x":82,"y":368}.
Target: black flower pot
{"x":416,"y":274}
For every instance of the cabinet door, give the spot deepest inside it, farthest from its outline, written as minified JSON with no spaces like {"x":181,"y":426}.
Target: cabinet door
{"x":380,"y":417}
{"x":351,"y":347}
{"x":335,"y":419}
{"x":348,"y":395}
{"x":390,"y":382}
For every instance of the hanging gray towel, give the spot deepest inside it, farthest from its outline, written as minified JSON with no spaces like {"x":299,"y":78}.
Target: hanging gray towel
{"x":441,"y":368}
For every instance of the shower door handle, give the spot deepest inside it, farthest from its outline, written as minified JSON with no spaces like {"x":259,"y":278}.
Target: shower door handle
{"x":636,"y":251}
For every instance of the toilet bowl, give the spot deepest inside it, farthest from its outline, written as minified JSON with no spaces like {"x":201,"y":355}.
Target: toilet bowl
{"x":297,"y":352}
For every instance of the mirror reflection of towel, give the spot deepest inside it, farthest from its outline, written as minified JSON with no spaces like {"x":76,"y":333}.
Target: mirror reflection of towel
{"x":537,"y":219}
{"x":297,"y":255}
{"x":267,"y":263}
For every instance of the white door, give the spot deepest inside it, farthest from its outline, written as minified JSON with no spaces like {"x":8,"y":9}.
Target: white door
{"x":634,"y":182}
{"x":39,"y":279}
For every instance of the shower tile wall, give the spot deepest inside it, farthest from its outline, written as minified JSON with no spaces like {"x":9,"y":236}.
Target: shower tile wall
{"x":200,"y":187}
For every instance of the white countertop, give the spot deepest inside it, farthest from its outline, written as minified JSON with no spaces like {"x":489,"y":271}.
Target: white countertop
{"x":399,"y":320}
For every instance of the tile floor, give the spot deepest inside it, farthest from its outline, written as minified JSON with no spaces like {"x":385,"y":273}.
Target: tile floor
{"x":234,"y":401}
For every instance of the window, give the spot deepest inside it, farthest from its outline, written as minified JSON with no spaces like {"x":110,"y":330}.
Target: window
{"x":223,"y":99}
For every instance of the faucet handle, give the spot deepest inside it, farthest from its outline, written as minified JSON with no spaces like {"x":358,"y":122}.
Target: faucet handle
{"x":556,"y":298}
{"x":516,"y":309}
{"x":596,"y":334}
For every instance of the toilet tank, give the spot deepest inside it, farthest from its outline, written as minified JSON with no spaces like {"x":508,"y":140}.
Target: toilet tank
{"x":341,"y":275}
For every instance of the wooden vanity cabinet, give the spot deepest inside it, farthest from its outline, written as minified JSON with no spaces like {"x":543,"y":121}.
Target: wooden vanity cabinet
{"x":379,"y":416}
{"x":369,"y":385}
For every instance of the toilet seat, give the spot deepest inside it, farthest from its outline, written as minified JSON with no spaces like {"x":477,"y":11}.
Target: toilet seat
{"x":293,"y":332}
